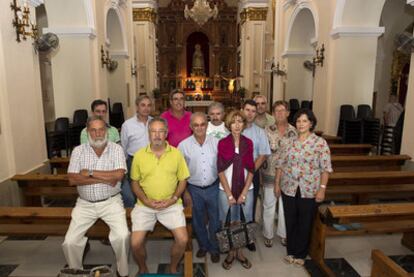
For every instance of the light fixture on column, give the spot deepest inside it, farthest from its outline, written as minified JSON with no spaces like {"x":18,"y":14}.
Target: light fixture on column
{"x":110,"y":64}
{"x":316,"y":60}
{"x":201,"y":12}
{"x":24,"y":27}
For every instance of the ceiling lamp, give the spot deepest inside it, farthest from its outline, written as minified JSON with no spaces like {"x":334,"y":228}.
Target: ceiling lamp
{"x":201,"y":12}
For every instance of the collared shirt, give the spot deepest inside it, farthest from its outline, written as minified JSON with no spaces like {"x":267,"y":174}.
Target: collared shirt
{"x":113,"y":134}
{"x":267,"y":121}
{"x":201,"y":160}
{"x":178,"y":129}
{"x":134,"y":135}
{"x":217,"y":131}
{"x":159,"y":177}
{"x":277,"y":142}
{"x":260,"y":142}
{"x":302,"y":164}
{"x":84,"y":157}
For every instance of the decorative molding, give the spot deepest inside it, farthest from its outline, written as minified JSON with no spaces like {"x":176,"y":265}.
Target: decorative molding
{"x":357,"y":31}
{"x":253,"y":14}
{"x":35,"y":3}
{"x":244,"y":4}
{"x":72,"y":31}
{"x":144,"y":14}
{"x":120,"y":54}
{"x":297,"y":53}
{"x":288,"y":3}
{"x":139,"y":4}
{"x":89,"y":13}
{"x":410,"y":2}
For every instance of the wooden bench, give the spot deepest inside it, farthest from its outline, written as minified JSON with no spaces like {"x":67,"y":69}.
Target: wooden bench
{"x":350,"y":149}
{"x":23,"y":221}
{"x":371,"y":185}
{"x":368,"y":163}
{"x":383,"y":266}
{"x":332,"y":139}
{"x":374,"y":219}
{"x":60,"y":164}
{"x":34,"y":186}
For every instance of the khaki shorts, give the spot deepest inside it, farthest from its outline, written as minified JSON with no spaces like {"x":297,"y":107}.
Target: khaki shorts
{"x":144,"y":218}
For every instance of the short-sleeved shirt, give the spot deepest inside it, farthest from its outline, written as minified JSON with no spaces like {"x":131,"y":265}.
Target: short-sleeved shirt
{"x":201,"y":160}
{"x":178,"y":128}
{"x":267,"y":121}
{"x":159,"y":177}
{"x":134,"y":135}
{"x":260,"y":142}
{"x":217,"y":131}
{"x":302,"y":164}
{"x":113,"y":135}
{"x":84,"y":157}
{"x":277,"y":142}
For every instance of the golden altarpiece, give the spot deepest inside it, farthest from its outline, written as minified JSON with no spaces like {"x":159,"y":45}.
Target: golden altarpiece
{"x":200,"y":60}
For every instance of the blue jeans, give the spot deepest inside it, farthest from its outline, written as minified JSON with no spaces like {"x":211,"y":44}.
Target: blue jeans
{"x":127,"y":195}
{"x":205,"y":206}
{"x":235,"y":209}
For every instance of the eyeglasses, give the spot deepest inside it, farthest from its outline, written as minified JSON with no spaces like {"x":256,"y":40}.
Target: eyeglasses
{"x":158,"y":131}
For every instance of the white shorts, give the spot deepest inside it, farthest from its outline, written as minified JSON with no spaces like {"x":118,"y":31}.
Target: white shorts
{"x":144,"y":218}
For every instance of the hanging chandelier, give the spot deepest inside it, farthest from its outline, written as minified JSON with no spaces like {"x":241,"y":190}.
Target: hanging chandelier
{"x":201,"y":12}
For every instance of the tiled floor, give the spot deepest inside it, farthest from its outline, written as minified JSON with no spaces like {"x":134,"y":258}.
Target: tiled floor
{"x":44,"y":258}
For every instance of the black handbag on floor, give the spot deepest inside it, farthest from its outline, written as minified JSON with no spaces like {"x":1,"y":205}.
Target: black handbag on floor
{"x":235,"y":236}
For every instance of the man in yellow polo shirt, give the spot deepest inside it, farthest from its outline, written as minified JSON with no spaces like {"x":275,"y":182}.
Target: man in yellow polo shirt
{"x":158,"y":175}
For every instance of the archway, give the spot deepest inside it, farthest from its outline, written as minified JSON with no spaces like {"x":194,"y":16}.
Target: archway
{"x":299,"y":47}
{"x":116,"y":44}
{"x":202,"y":40}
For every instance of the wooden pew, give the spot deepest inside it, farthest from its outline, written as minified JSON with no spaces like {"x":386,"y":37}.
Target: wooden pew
{"x":368,"y":163}
{"x":23,"y":221}
{"x":332,"y":139}
{"x":350,"y":149}
{"x":383,"y":266}
{"x":60,"y":164}
{"x":371,"y":185}
{"x":374,"y":219}
{"x":34,"y":186}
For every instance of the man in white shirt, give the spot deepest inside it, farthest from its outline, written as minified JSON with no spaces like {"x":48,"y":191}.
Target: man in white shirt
{"x":134,"y":136}
{"x":96,"y":168}
{"x":200,"y":153}
{"x":216,"y":126}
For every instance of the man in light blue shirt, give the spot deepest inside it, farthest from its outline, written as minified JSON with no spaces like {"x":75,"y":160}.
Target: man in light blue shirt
{"x":261,"y":149}
{"x":134,"y":136}
{"x":200,"y":153}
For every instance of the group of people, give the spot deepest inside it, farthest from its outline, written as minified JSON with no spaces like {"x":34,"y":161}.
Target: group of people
{"x":217,"y":167}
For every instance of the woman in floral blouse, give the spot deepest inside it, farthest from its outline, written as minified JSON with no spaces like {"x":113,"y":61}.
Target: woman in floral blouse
{"x":301,"y":177}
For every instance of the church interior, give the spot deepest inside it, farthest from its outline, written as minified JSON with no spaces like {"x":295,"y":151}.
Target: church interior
{"x":341,"y":58}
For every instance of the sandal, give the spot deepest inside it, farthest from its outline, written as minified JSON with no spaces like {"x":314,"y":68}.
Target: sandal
{"x":268,"y":243}
{"x":226,"y":264}
{"x":245,"y":262}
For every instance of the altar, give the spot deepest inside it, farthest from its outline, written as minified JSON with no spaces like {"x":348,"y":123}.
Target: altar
{"x":198,"y":106}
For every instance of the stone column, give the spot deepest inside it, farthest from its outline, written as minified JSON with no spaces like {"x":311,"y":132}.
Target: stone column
{"x":252,"y":45}
{"x":144,"y":16}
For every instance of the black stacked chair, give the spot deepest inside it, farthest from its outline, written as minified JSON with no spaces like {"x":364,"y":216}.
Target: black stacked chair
{"x":79,"y":122}
{"x":352,"y":131}
{"x":294,"y":107}
{"x":347,"y":112}
{"x":387,"y":141}
{"x":305,"y":104}
{"x":364,"y":111}
{"x":116,"y":117}
{"x":372,"y":131}
{"x":398,"y":132}
{"x":58,"y":139}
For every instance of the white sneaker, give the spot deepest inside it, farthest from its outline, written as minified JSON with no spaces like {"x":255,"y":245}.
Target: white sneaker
{"x":289,"y":259}
{"x":299,"y":262}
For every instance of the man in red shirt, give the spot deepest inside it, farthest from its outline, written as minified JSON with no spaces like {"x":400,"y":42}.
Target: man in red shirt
{"x":178,"y":119}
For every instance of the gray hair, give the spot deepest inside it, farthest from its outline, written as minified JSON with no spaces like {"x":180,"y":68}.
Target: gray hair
{"x":95,"y":118}
{"x":140,"y":98}
{"x":158,"y":119}
{"x":198,"y":114}
{"x":216,"y":105}
{"x":260,"y":96}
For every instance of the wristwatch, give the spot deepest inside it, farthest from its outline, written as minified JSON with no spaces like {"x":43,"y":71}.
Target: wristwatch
{"x":243,"y":197}
{"x":230,"y":197}
{"x":90,"y":173}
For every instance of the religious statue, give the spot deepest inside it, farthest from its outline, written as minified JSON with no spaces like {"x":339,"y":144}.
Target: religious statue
{"x":198,"y":62}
